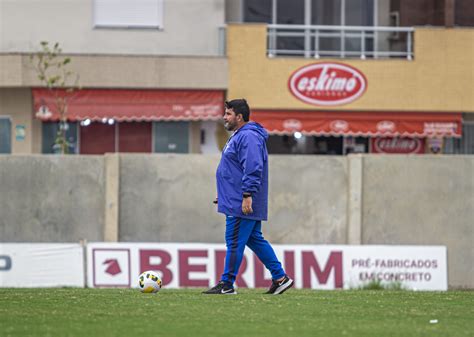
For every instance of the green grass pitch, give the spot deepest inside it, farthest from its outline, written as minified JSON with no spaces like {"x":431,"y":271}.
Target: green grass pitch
{"x":127,"y":312}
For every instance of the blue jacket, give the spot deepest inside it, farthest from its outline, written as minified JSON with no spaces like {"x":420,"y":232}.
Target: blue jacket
{"x":244,"y":168}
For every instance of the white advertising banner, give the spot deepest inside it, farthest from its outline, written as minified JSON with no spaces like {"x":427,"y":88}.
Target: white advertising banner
{"x":311,"y":266}
{"x":41,"y":265}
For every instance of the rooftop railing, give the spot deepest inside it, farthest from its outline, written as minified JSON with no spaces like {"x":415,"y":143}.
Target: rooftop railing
{"x":340,"y":41}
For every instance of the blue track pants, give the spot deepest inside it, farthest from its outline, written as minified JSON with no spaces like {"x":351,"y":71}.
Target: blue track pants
{"x":240,"y":232}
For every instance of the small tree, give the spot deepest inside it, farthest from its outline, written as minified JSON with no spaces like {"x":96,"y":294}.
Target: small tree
{"x":52,"y":70}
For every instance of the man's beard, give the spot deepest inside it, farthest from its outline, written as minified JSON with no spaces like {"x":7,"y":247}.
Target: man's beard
{"x":230,"y":126}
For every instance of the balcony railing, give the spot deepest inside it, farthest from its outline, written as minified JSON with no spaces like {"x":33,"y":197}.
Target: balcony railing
{"x":340,"y":41}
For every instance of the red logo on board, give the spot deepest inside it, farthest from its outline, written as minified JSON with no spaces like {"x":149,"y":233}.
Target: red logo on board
{"x":339,"y":125}
{"x":113,"y":267}
{"x":398,"y":145}
{"x":292,"y":124}
{"x":386,"y":126}
{"x":327,"y":83}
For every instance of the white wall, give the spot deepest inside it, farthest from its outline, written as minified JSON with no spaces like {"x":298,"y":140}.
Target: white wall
{"x":190,"y":28}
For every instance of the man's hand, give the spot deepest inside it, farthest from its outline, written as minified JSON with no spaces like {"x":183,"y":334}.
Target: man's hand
{"x":247,"y":205}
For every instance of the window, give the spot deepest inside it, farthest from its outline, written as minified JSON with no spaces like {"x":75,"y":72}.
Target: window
{"x":359,"y":13}
{"x":463,"y":13}
{"x":5,"y":135}
{"x":290,"y":13}
{"x":464,"y":145}
{"x":128,"y":13}
{"x":171,"y":137}
{"x":50,"y":130}
{"x":297,"y":41}
{"x":315,"y":12}
{"x":258,"y":11}
{"x":325,"y":12}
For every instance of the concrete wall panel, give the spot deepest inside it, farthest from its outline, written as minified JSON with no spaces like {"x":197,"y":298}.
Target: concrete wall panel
{"x":51,"y":198}
{"x":168,"y":198}
{"x":308,"y":200}
{"x":422,"y":200}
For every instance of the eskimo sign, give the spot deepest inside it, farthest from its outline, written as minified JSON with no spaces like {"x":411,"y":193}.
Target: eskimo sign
{"x":327,"y":83}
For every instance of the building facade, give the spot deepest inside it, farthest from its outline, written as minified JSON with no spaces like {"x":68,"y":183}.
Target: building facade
{"x":323,"y":76}
{"x":335,"y":77}
{"x":152,"y":74}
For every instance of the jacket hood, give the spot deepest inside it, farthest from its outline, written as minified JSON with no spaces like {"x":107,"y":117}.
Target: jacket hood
{"x":255,"y":127}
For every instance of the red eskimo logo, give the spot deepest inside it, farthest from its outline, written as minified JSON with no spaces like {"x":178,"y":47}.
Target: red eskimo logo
{"x":327,"y":83}
{"x":397,"y":145}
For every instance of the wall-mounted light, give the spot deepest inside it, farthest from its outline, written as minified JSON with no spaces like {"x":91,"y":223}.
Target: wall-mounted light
{"x":85,"y":122}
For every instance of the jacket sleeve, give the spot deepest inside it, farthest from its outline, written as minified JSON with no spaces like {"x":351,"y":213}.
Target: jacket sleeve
{"x":251,"y":158}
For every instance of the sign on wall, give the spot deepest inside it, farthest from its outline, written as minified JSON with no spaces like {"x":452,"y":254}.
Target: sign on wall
{"x":41,"y":265}
{"x":397,"y":145}
{"x":314,"y":267}
{"x":327,"y":84}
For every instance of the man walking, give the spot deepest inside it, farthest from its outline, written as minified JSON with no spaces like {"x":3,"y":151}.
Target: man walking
{"x":242,"y":195}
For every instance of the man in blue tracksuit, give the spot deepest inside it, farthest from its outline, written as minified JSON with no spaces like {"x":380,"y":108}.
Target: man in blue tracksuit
{"x":242,"y":195}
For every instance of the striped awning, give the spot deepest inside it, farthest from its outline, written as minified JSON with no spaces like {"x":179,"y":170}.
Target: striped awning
{"x":131,"y":105}
{"x":346,"y":123}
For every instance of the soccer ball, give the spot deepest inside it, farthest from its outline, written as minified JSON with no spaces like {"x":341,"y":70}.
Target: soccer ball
{"x":149,"y":282}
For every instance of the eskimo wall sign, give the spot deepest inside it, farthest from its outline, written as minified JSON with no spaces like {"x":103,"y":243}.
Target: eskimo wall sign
{"x":327,"y":84}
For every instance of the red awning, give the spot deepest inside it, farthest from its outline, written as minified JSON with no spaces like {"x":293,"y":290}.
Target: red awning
{"x":132,"y":105}
{"x":335,"y":123}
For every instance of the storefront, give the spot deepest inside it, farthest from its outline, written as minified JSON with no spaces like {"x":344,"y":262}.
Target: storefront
{"x":338,"y":132}
{"x":145,"y":121}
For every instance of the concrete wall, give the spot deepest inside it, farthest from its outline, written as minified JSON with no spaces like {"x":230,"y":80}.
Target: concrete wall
{"x":190,"y":28}
{"x":308,"y":199}
{"x":358,"y":199}
{"x":422,"y":200}
{"x":51,"y":198}
{"x":125,"y":71}
{"x":169,"y":198}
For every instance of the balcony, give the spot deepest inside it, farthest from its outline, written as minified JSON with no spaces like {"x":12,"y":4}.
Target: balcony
{"x":340,"y":42}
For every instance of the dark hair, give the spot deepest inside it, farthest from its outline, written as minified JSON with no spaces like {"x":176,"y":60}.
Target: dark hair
{"x":239,"y":106}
